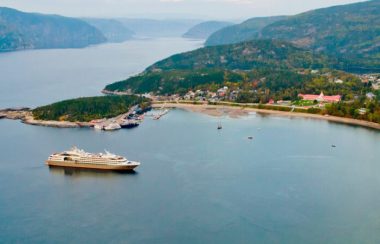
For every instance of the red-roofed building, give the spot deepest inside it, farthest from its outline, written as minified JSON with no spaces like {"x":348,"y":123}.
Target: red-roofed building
{"x":321,"y":98}
{"x":271,"y":101}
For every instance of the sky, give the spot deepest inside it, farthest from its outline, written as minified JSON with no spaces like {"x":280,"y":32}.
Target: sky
{"x":199,"y":9}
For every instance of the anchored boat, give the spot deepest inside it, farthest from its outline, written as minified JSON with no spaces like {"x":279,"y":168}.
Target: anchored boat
{"x":130,"y":123}
{"x":77,"y":158}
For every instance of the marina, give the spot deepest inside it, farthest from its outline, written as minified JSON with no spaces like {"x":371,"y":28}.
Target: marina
{"x":133,"y":118}
{"x":160,"y":114}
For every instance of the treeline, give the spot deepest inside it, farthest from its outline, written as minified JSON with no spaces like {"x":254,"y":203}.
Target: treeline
{"x":246,"y":56}
{"x":88,"y":108}
{"x":358,"y":109}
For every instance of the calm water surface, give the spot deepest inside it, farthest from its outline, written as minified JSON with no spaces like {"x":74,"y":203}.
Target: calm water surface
{"x":37,"y":77}
{"x":195,"y":185}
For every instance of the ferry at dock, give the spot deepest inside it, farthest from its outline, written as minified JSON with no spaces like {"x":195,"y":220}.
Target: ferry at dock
{"x":77,"y":158}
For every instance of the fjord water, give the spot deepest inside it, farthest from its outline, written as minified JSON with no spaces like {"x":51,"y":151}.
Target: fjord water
{"x":38,"y":77}
{"x":195,"y":185}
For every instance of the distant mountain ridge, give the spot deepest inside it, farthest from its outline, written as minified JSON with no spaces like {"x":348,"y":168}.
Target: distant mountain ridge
{"x":245,"y":31}
{"x":205,"y":29}
{"x":20,"y":30}
{"x":112,"y":29}
{"x":158,"y":28}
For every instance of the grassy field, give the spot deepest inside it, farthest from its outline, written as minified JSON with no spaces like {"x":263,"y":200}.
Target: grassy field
{"x":303,"y":103}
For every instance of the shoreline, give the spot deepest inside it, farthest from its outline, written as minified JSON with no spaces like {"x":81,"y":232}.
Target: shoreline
{"x":25,"y":115}
{"x":235,"y":112}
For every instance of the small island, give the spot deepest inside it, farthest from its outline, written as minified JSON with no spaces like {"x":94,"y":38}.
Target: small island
{"x":80,"y":112}
{"x":89,"y":108}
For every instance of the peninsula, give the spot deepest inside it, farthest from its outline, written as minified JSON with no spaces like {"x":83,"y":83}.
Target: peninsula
{"x":78,"y":112}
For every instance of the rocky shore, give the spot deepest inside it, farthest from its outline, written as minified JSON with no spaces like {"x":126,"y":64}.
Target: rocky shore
{"x":26,"y":116}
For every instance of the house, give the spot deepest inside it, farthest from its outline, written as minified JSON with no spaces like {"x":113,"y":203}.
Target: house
{"x":234,"y":95}
{"x":376,"y":86}
{"x":314,"y":71}
{"x":189,"y":96}
{"x":222,"y":91}
{"x":211,"y":94}
{"x":370,"y":95}
{"x":284,"y":102}
{"x":271,"y":101}
{"x":338,"y":81}
{"x":362,"y":111}
{"x":320,"y":98}
{"x":199,"y":92}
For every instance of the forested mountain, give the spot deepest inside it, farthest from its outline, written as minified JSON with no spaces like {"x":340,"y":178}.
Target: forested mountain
{"x":244,"y":56}
{"x":245,"y":31}
{"x":19,"y":30}
{"x":258,"y":71}
{"x":278,"y":61}
{"x":85,"y":109}
{"x":112,"y":29}
{"x":205,"y":29}
{"x":350,"y":32}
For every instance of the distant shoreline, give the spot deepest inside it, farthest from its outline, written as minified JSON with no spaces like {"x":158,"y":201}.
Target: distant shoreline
{"x":236,"y":111}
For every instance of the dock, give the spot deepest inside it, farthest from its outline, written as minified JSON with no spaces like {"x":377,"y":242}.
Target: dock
{"x":134,"y":116}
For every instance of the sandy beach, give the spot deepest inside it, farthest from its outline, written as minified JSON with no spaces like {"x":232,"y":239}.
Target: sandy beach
{"x":235,"y":112}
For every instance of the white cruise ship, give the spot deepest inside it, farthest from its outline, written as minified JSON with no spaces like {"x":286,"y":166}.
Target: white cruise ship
{"x":77,"y":158}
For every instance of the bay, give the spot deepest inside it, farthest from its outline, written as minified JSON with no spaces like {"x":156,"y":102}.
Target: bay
{"x":195,"y":184}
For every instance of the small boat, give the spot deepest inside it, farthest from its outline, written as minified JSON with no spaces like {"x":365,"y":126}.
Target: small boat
{"x":112,"y":126}
{"x":98,"y":126}
{"x":333,"y":145}
{"x":220,"y":126}
{"x":127,"y":124}
{"x":250,"y":137}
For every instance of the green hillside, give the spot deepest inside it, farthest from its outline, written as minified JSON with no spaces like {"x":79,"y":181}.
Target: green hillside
{"x":277,"y":61}
{"x":350,"y":32}
{"x":244,"y":56}
{"x":88,"y":108}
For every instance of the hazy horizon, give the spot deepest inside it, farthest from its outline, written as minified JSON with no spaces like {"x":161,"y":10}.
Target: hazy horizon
{"x":171,"y":9}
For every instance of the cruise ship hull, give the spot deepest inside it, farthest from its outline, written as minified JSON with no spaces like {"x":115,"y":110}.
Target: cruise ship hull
{"x":71,"y":164}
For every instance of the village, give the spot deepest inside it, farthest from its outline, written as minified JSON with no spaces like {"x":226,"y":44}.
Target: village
{"x":226,"y":94}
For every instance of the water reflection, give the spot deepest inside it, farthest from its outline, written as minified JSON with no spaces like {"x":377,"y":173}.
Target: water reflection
{"x":76,"y":173}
